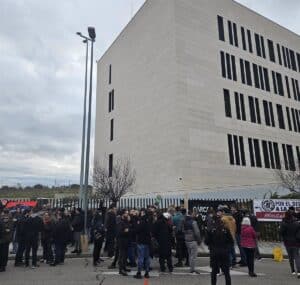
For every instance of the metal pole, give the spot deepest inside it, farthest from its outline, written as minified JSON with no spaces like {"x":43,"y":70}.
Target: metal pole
{"x":81,"y":191}
{"x":87,"y":161}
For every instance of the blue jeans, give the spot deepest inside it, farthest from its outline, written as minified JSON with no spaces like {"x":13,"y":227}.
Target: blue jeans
{"x":132,"y":252}
{"x":143,"y":257}
{"x":242,"y":252}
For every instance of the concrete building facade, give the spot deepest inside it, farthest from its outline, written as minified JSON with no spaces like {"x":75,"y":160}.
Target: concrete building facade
{"x":199,"y":95}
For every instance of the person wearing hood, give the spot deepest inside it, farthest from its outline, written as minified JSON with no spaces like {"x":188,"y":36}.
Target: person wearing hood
{"x":162,"y":231}
{"x":289,"y":228}
{"x":248,"y":243}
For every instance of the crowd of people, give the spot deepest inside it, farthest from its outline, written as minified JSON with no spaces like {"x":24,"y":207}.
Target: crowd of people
{"x":132,"y":238}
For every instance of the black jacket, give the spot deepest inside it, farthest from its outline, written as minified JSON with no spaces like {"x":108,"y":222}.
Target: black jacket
{"x":219,"y":239}
{"x":32,"y":227}
{"x":143,"y":234}
{"x":288,"y":232}
{"x":47,"y":233}
{"x":123,"y":233}
{"x":110,"y":224}
{"x":78,"y":223}
{"x":61,"y":231}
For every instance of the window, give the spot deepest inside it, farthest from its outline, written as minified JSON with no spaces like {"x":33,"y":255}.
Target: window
{"x":230,"y":32}
{"x":242,"y":71}
{"x":111,"y":129}
{"x":254,"y":150}
{"x":288,"y":86}
{"x":109,"y":77}
{"x":240,"y":106}
{"x":280,"y":116}
{"x":298,"y":156}
{"x":269,"y":115}
{"x":279,"y":54}
{"x":277,"y":156}
{"x":287,"y":52}
{"x":228,"y":66}
{"x":243,"y":38}
{"x":277,"y":83}
{"x":221,"y":29}
{"x":227,"y":103}
{"x":249,"y":41}
{"x":254,"y":110}
{"x":256,"y":76}
{"x":288,"y":157}
{"x":266,"y":77}
{"x":110,"y":165}
{"x":289,"y":118}
{"x":296,"y":90}
{"x":293,"y":60}
{"x":270,"y":155}
{"x":266,"y":154}
{"x":236,"y":150}
{"x":298,"y":61}
{"x":284,"y":57}
{"x":236,"y":41}
{"x":261,"y":77}
{"x":297,"y":115}
{"x":245,"y":66}
{"x":258,"y":47}
{"x":111,"y":101}
{"x":262,"y":42}
{"x":271,"y":151}
{"x":271,"y":50}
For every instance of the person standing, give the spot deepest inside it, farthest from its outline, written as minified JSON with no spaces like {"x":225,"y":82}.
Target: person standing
{"x":123,"y":242}
{"x":77,"y":226}
{"x":248,"y":243}
{"x":98,"y":233}
{"x":111,"y":230}
{"x":219,"y":241}
{"x":32,"y":228}
{"x":143,"y":238}
{"x":289,"y":229}
{"x":47,"y":239}
{"x":20,"y":237}
{"x":192,"y":239}
{"x":6,"y":234}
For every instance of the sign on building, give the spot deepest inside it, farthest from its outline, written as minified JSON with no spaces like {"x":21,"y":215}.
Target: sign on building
{"x":273,"y":210}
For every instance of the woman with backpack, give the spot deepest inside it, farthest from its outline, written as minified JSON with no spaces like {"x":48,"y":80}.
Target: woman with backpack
{"x":290,"y":232}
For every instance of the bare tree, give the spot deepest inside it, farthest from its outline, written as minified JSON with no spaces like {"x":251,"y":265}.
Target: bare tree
{"x":118,"y":184}
{"x":289,"y":179}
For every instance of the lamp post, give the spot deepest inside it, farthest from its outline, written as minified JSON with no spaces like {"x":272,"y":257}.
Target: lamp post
{"x":91,"y":38}
{"x":84,"y":122}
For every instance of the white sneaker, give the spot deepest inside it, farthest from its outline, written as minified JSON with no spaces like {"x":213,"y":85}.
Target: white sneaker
{"x":294,"y":273}
{"x":298,"y":275}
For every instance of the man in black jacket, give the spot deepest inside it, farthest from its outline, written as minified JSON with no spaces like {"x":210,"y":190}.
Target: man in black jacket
{"x":20,"y":237}
{"x":32,"y":227}
{"x":78,"y":226}
{"x":123,"y":242}
{"x":110,"y":225}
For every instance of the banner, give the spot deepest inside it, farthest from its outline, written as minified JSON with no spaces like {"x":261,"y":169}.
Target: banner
{"x":273,"y":210}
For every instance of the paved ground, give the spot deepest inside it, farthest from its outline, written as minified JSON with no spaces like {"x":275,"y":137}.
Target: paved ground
{"x":79,"y":271}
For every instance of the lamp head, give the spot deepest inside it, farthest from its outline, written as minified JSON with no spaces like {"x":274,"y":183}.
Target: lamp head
{"x":92,"y":33}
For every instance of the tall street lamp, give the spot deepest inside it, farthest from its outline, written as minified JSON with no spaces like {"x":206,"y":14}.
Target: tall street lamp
{"x":86,"y":41}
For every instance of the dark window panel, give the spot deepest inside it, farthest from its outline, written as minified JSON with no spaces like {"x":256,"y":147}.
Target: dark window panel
{"x":109,"y":76}
{"x":298,"y":61}
{"x":230,"y":32}
{"x":271,"y":51}
{"x":297,"y":120}
{"x":256,"y":76}
{"x":286,"y":164}
{"x":113,"y":99}
{"x":237,"y":105}
{"x":233,"y":68}
{"x":221,"y":29}
{"x":230,"y":149}
{"x":294,"y":120}
{"x":274,"y":82}
{"x":252,"y":109}
{"x":109,"y":102}
{"x":267,"y":81}
{"x":279,"y":54}
{"x":287,"y":86}
{"x":279,"y":84}
{"x":251,"y":152}
{"x":257,"y":153}
{"x":242,"y":150}
{"x":289,"y":118}
{"x":223,"y":66}
{"x":248,"y":73}
{"x":267,"y":115}
{"x":266,"y":154}
{"x":277,"y":156}
{"x":271,"y":155}
{"x":272,"y":114}
{"x":257,"y":111}
{"x":111,"y":129}
{"x":297,"y":89}
{"x":243,"y":107}
{"x":257,"y":43}
{"x":261,"y":76}
{"x":293,"y":60}
{"x":236,"y":150}
{"x":242,"y":71}
{"x":110,"y":165}
{"x":298,"y":156}
{"x":228,"y":63}
{"x":243,"y":38}
{"x":227,"y":103}
{"x":284,"y":56}
{"x":294,"y":89}
{"x":262,"y":42}
{"x":288,"y":57}
{"x":280,"y":117}
{"x":236,"y":40}
{"x":249,"y":41}
{"x":291,"y":159}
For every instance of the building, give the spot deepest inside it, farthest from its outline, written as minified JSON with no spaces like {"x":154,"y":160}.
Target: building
{"x":201,"y":95}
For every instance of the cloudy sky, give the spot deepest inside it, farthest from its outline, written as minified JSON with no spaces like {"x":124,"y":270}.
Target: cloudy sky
{"x":41,"y":82}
